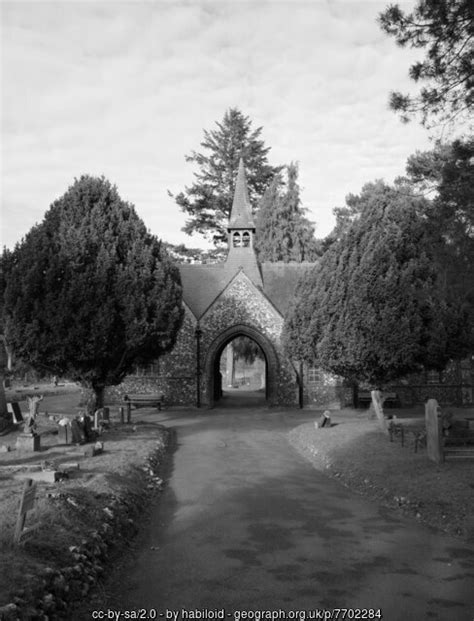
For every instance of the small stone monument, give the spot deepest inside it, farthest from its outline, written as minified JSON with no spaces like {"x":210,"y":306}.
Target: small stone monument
{"x":64,"y":431}
{"x":29,"y":440}
{"x":434,"y":431}
{"x":377,"y":404}
{"x":77,"y":434}
{"x":324,"y":420}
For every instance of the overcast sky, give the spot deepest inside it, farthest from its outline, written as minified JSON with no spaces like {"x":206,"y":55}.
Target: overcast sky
{"x":125,"y":90}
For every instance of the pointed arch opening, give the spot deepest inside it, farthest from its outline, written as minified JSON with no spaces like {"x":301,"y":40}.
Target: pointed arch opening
{"x":252,"y":380}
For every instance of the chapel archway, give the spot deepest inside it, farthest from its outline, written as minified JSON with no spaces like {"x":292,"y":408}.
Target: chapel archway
{"x":212,"y":368}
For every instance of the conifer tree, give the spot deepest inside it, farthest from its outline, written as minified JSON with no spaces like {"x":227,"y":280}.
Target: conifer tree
{"x":283,"y":233}
{"x":445,"y":29}
{"x":374,"y":308}
{"x":208,"y":200}
{"x":89,"y":292}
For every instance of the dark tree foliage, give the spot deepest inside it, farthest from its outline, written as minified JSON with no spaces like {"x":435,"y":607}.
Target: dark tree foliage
{"x":447,"y":173}
{"x":208,"y":200}
{"x":373,"y":309}
{"x":283,"y":233}
{"x":246,"y":349}
{"x":89,"y":292}
{"x":445,"y":29}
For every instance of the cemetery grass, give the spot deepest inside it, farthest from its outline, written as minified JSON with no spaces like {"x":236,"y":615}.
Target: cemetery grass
{"x":67,"y":511}
{"x":355,"y":452}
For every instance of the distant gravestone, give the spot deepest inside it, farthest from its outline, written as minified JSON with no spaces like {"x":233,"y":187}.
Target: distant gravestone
{"x":378,"y":409}
{"x":324,"y":420}
{"x":77,"y":435}
{"x":15,"y":411}
{"x":64,"y":434}
{"x":434,"y":431}
{"x":89,"y":434}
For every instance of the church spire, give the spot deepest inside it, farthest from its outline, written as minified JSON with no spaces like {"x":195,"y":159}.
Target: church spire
{"x":241,"y":229}
{"x":241,"y":213}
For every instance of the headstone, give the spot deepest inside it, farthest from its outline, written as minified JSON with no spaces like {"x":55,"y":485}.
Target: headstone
{"x":324,"y":420}
{"x":434,"y":431}
{"x":45,"y":476}
{"x":26,"y":504}
{"x":87,"y":428}
{"x":77,"y":434}
{"x":15,"y":411}
{"x":28,"y":442}
{"x":64,"y":434}
{"x":93,"y":450}
{"x":378,"y":409}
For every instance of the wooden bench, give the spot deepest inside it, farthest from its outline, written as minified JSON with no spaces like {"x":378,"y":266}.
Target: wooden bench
{"x":145,"y":400}
{"x":390,"y":399}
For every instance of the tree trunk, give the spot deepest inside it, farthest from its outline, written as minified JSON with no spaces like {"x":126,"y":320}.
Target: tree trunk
{"x":3,"y":402}
{"x":99,"y":396}
{"x":93,"y":397}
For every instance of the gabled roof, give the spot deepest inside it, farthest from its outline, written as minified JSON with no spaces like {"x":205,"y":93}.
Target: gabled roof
{"x":202,"y":284}
{"x":241,"y":213}
{"x":280,"y":280}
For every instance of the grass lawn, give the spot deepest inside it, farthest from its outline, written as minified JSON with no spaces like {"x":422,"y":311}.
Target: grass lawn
{"x":356,"y":452}
{"x":67,"y":511}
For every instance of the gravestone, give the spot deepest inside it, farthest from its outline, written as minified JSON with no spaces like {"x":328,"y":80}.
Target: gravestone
{"x":378,"y":409}
{"x":28,"y":442}
{"x":95,"y":449}
{"x":15,"y":411}
{"x":77,"y":435}
{"x":64,"y":434}
{"x":324,"y":420}
{"x":89,"y":434}
{"x":434,"y":431}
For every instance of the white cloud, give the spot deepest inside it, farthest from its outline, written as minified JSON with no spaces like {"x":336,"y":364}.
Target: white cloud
{"x":125,"y":90}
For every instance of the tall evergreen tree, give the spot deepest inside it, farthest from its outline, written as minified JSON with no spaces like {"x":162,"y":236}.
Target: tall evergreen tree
{"x":374,"y":308}
{"x":89,"y":292}
{"x":208,"y":200}
{"x":445,"y":28}
{"x":446,"y":173}
{"x":283,"y":233}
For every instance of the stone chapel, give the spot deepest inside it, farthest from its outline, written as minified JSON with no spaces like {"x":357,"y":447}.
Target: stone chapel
{"x":244,"y":297}
{"x":238,"y":297}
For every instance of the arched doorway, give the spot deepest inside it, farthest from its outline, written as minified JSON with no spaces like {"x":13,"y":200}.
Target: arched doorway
{"x":215,"y":386}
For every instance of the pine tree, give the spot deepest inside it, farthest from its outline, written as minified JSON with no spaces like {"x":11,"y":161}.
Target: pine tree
{"x":89,"y":292}
{"x":208,"y":200}
{"x":445,"y":28}
{"x":283,"y":233}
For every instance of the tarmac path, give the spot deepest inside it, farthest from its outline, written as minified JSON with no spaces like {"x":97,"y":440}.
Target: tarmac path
{"x":246,"y":524}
